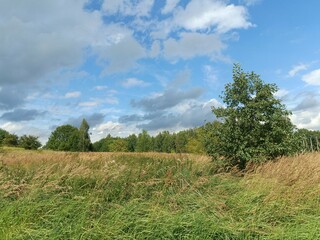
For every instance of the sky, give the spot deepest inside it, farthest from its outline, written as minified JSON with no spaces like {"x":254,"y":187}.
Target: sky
{"x":129,"y":65}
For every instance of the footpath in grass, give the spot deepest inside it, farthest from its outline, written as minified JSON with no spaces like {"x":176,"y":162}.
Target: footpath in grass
{"x":48,"y":195}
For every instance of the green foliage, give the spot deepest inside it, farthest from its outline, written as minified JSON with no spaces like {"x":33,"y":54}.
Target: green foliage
{"x":29,"y":142}
{"x":10,"y":140}
{"x":144,"y":142}
{"x":3,"y":134}
{"x":118,"y":145}
{"x":85,"y":142}
{"x":65,"y":138}
{"x":255,"y":126}
{"x":188,"y":141}
{"x":132,"y":143}
{"x":307,"y":140}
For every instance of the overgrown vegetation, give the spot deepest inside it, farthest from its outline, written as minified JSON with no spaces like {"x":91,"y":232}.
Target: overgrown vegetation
{"x":57,"y":195}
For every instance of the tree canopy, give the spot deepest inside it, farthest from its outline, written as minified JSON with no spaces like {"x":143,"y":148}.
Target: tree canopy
{"x":64,"y":138}
{"x":255,"y":125}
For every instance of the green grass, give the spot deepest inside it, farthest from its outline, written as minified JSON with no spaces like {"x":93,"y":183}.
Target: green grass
{"x":47,"y":195}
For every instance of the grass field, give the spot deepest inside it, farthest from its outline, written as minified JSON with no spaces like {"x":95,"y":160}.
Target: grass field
{"x":55,"y":195}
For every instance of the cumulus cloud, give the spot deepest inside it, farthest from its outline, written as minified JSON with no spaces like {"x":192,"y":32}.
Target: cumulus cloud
{"x":19,"y":115}
{"x":169,"y":98}
{"x":169,"y":6}
{"x":307,"y":102}
{"x":119,"y":50}
{"x":185,"y":115}
{"x":128,"y":7}
{"x":72,"y":94}
{"x":312,"y":78}
{"x":174,"y":108}
{"x":208,"y":14}
{"x":40,"y":40}
{"x":12,"y":127}
{"x":190,"y":45}
{"x":133,"y":82}
{"x":92,"y":119}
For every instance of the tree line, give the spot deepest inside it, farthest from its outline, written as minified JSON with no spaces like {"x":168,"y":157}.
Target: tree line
{"x":12,"y":140}
{"x":252,"y":126}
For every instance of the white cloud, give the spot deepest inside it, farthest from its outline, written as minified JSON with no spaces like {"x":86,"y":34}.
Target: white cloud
{"x":307,"y":119}
{"x":111,"y":100}
{"x":128,"y":7}
{"x":193,"y":44}
{"x":89,"y":104}
{"x":46,"y":37}
{"x":207,"y":14}
{"x":108,"y":126}
{"x":251,"y":2}
{"x":210,"y":75}
{"x":133,"y":82}
{"x":312,"y":78}
{"x":170,"y":5}
{"x":12,"y":127}
{"x":296,"y":69}
{"x":72,"y":94}
{"x":155,"y":49}
{"x":118,"y":49}
{"x":281,"y":93}
{"x":100,"y":88}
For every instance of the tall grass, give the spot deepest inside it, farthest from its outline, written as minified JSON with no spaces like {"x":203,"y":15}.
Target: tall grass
{"x":55,"y":195}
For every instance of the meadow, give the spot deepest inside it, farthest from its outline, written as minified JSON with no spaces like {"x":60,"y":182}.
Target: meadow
{"x":58,"y":195}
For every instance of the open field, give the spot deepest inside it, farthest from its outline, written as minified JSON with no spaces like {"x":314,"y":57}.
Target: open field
{"x":55,"y":195}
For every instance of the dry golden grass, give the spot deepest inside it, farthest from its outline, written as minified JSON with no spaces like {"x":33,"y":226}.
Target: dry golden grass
{"x":302,"y":169}
{"x":29,"y":157}
{"x":292,"y":178}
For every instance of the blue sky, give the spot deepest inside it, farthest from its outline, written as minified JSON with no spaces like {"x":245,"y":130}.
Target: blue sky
{"x":129,"y":65}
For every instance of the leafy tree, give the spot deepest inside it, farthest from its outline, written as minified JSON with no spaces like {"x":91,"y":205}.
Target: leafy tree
{"x":132,"y":143}
{"x":85,"y":142}
{"x":118,"y":145}
{"x":255,"y":125}
{"x":29,"y":142}
{"x":144,"y":142}
{"x":10,"y":140}
{"x":3,"y":134}
{"x":64,"y":138}
{"x":181,"y":140}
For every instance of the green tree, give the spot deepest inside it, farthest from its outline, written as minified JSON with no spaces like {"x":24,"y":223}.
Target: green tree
{"x":144,"y":142}
{"x":118,"y":145}
{"x":132,"y":143}
{"x":10,"y":140}
{"x":29,"y":142}
{"x":85,"y":142}
{"x":3,"y":134}
{"x":255,"y":125}
{"x":64,"y":138}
